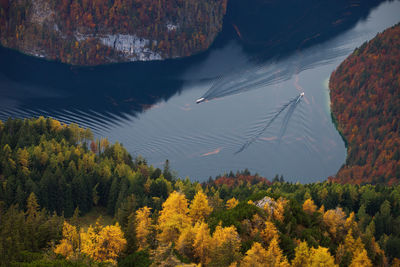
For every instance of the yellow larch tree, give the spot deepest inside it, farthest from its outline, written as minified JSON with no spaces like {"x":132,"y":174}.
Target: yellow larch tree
{"x":143,"y":226}
{"x":349,"y":243}
{"x":65,"y":248}
{"x":103,"y":244}
{"x":279,"y":210}
{"x":69,"y":243}
{"x":257,"y":225}
{"x":231,"y":203}
{"x":185,"y":242}
{"x":255,"y":256}
{"x":274,"y":255}
{"x":361,"y":259}
{"x":225,"y":246}
{"x":202,"y":243}
{"x":309,"y":206}
{"x":335,"y":220}
{"x":173,"y":218}
{"x":350,"y":247}
{"x":270,"y":232}
{"x":320,"y":257}
{"x":199,"y":208}
{"x":111,"y":243}
{"x":302,"y":255}
{"x":275,"y":209}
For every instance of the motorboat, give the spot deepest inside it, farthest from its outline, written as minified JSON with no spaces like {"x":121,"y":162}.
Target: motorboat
{"x":202,"y":99}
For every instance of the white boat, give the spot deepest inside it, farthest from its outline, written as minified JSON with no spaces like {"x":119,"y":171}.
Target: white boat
{"x":300,"y":96}
{"x":198,"y":101}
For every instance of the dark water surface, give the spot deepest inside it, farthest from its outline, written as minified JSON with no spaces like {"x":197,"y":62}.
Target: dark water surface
{"x":253,"y":117}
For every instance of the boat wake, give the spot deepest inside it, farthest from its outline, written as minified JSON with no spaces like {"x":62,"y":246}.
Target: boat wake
{"x":269,"y":120}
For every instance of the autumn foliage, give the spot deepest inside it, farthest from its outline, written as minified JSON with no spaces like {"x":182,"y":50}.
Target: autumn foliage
{"x":158,"y":219}
{"x":365,"y":96}
{"x":71,"y":30}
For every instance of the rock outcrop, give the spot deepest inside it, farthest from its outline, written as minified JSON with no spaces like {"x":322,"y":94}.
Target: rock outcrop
{"x":85,"y":32}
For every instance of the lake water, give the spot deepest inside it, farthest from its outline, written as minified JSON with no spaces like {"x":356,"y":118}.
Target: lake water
{"x":252,"y":118}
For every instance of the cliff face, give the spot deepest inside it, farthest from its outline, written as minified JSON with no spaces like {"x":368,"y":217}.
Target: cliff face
{"x":92,"y":32}
{"x":365,"y":101}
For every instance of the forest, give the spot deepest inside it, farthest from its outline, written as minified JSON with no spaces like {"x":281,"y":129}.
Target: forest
{"x":71,"y":30}
{"x":365,"y":103}
{"x":57,"y":179}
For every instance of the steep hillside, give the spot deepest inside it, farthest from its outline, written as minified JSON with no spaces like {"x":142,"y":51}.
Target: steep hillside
{"x":49,"y":177}
{"x":97,"y":32}
{"x":365,"y":95}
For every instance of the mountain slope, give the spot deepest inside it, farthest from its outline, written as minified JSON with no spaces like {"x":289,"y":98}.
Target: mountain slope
{"x":97,"y":32}
{"x":365,"y":95}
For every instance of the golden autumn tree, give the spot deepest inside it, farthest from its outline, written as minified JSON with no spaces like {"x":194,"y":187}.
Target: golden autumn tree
{"x":270,"y":232}
{"x":231,"y":203}
{"x":309,"y":206}
{"x":275,"y":209}
{"x":278,"y":212}
{"x":173,"y":218}
{"x":185,"y":242}
{"x":199,"y":208}
{"x":69,"y":243}
{"x":349,"y":249}
{"x":225,"y":246}
{"x":255,"y":256}
{"x":302,"y":255}
{"x":361,"y":259}
{"x":351,"y":224}
{"x":320,"y":257}
{"x":274,"y":255}
{"x":143,"y":226}
{"x":202,"y":243}
{"x":103,"y":244}
{"x":335,"y":221}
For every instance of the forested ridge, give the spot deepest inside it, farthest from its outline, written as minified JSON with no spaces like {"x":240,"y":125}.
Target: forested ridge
{"x":83,"y":32}
{"x":365,"y":103}
{"x":53,"y":175}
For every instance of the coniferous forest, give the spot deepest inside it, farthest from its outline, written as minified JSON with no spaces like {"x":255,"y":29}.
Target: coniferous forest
{"x":53,"y":175}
